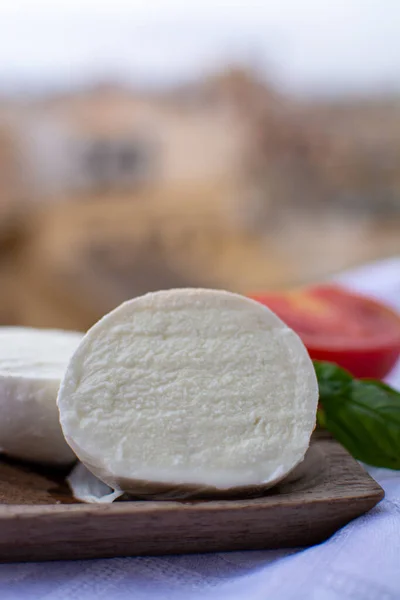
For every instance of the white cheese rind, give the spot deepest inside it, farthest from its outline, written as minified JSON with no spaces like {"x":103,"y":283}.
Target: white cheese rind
{"x":184,"y":392}
{"x":32,"y":363}
{"x":86,"y":487}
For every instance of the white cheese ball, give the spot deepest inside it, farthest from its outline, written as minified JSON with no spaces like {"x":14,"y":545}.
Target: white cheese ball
{"x":32,"y":363}
{"x":189,"y":392}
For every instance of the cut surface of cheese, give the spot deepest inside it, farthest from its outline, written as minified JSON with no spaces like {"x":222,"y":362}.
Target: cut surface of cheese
{"x":32,"y":363}
{"x":186,"y":391}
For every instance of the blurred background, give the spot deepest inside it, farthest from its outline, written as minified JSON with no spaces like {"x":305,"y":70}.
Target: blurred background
{"x":148,"y":145}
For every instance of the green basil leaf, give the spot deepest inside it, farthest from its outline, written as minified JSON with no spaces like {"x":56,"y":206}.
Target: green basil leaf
{"x":363,"y":415}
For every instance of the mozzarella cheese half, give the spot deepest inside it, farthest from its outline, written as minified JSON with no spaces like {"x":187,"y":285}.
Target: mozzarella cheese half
{"x":188,"y":392}
{"x":32,"y":363}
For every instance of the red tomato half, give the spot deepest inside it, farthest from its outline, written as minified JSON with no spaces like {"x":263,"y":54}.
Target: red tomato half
{"x":339,"y":326}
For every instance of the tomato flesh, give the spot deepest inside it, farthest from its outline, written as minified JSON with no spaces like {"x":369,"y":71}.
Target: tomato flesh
{"x":358,"y":333}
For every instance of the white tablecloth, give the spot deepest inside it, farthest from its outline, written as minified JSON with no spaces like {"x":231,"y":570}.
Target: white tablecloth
{"x":360,"y":562}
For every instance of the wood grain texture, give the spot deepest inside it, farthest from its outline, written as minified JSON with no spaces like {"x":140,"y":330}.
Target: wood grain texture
{"x":39,"y":520}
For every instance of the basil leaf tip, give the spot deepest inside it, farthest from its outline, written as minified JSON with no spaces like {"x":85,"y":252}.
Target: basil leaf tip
{"x":363,"y":415}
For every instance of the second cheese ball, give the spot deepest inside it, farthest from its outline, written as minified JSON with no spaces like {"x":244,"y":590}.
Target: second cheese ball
{"x":32,"y":362}
{"x":191,"y":391}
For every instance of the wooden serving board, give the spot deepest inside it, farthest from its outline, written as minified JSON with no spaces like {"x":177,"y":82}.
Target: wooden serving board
{"x":39,"y":520}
